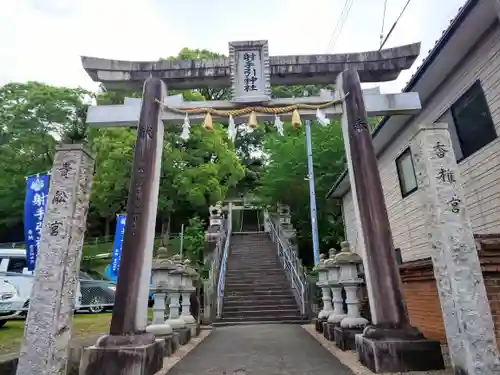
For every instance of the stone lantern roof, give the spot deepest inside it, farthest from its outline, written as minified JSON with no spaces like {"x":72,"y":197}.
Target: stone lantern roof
{"x":332,"y":260}
{"x":321,"y":264}
{"x":190,"y":271}
{"x":346,"y":255}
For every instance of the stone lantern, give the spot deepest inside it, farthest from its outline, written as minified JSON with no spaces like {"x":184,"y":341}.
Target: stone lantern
{"x":189,"y":275}
{"x":338,"y":303}
{"x":160,"y":280}
{"x":353,"y":323}
{"x":325,"y":291}
{"x":174,"y":291}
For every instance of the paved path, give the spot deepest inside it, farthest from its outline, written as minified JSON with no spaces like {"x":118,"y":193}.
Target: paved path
{"x":267,"y":349}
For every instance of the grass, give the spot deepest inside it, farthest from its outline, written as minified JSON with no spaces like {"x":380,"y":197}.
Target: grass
{"x":84,"y":325}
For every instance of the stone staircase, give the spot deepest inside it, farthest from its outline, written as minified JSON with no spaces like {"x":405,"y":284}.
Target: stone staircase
{"x":256,"y":288}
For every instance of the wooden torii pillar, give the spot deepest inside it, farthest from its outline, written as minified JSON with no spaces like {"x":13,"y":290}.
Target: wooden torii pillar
{"x":250,"y":72}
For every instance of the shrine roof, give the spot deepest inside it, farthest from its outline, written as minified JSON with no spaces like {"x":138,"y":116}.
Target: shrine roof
{"x":372,"y":66}
{"x":465,"y":30}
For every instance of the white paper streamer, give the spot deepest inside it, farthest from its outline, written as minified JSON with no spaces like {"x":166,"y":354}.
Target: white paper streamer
{"x":185,"y":128}
{"x":231,"y":129}
{"x":279,"y":124}
{"x":320,"y":116}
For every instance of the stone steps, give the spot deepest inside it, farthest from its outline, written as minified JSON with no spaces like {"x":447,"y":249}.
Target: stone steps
{"x":254,"y":313}
{"x":256,"y":288}
{"x":237,"y":303}
{"x":233,"y":308}
{"x":258,"y":298}
{"x":264,"y":319}
{"x":232,"y":322}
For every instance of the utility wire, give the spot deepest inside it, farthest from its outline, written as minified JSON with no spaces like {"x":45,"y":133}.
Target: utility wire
{"x":383,"y":23}
{"x":393,"y":26}
{"x":340,"y":24}
{"x":337,"y":25}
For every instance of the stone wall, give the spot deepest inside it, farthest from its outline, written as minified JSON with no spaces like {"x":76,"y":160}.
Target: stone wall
{"x":421,"y":294}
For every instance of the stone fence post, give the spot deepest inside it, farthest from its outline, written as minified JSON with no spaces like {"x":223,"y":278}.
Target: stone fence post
{"x":47,"y":333}
{"x":466,"y":312}
{"x":215,"y":237}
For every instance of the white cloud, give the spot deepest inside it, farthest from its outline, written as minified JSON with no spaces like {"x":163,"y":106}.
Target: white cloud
{"x":44,"y":39}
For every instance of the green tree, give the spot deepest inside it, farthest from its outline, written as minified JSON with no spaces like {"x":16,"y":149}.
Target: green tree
{"x":284,"y":180}
{"x":34,"y":118}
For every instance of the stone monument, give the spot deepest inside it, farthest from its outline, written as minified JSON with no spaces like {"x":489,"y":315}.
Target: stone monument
{"x":353,"y":323}
{"x":390,"y":343}
{"x":129,"y":349}
{"x":459,"y":279}
{"x":47,"y":332}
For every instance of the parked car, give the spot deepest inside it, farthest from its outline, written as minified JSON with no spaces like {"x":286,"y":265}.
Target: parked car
{"x":11,"y":303}
{"x":97,"y":290}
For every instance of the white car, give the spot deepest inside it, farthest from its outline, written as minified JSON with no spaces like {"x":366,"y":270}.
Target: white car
{"x":11,"y":303}
{"x":13,"y":272}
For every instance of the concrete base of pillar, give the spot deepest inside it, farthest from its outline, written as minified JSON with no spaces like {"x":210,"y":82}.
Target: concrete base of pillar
{"x":144,"y":357}
{"x":184,"y":335}
{"x":318,"y":324}
{"x":399,"y":355}
{"x":345,"y":338}
{"x":193,"y":328}
{"x":329,"y":331}
{"x":175,"y":342}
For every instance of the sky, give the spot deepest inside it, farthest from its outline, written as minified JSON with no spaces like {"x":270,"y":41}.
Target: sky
{"x":42,"y":40}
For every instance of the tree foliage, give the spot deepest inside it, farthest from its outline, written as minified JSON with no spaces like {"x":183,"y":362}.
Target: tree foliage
{"x":285,"y":180}
{"x":34,"y":118}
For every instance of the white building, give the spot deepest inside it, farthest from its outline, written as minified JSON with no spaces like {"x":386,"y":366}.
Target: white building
{"x":458,"y":83}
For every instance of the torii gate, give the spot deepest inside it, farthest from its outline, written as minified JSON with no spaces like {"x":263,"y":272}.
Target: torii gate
{"x":250,"y":72}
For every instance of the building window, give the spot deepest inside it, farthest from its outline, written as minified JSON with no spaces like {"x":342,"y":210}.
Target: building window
{"x":406,"y":173}
{"x":473,"y":122}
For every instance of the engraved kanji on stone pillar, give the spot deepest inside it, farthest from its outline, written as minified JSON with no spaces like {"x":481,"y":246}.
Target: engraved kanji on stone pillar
{"x":464,"y":302}
{"x":47,"y":331}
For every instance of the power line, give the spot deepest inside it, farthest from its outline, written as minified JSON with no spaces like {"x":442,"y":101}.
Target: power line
{"x":340,"y":24}
{"x":337,"y":25}
{"x":383,"y":23}
{"x":393,"y":26}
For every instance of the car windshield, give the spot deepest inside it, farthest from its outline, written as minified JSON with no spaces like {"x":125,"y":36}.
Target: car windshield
{"x":94,"y":275}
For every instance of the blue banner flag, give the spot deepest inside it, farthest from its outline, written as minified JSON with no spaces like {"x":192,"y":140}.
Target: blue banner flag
{"x":117,"y":244}
{"x":37,"y":189}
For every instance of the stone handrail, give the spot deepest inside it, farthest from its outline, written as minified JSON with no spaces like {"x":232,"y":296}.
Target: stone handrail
{"x":215,"y":239}
{"x":291,"y":264}
{"x":222,"y":269}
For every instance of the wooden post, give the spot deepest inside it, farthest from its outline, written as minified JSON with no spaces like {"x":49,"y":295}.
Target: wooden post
{"x":128,"y":349}
{"x":409,"y":350}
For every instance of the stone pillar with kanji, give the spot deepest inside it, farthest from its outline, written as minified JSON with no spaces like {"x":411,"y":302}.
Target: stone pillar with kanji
{"x":47,"y":332}
{"x":466,"y":312}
